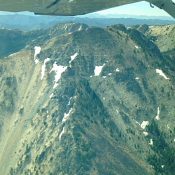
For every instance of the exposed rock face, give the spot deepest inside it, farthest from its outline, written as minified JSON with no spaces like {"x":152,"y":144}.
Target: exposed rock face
{"x":80,"y":100}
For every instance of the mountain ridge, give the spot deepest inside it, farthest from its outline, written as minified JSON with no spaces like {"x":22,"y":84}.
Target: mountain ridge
{"x":97,"y":109}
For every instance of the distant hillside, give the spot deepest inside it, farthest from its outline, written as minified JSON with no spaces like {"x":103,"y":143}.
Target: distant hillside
{"x":27,"y":22}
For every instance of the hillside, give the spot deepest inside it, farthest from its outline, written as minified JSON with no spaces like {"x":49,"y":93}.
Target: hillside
{"x":79,"y":100}
{"x":164,"y":38}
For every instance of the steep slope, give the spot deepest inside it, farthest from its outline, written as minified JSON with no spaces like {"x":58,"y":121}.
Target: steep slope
{"x":164,"y":36}
{"x":80,"y":100}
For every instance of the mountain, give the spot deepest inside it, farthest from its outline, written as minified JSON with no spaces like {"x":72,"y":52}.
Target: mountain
{"x":164,"y":37}
{"x":30,"y":22}
{"x":82,"y":100}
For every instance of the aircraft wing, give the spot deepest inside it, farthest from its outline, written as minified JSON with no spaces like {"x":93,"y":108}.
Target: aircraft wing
{"x":60,"y":7}
{"x":74,"y":7}
{"x":167,"y":5}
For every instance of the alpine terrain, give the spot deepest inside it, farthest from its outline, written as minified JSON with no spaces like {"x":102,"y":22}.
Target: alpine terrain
{"x":79,"y":100}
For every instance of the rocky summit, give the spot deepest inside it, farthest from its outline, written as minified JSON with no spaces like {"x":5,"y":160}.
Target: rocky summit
{"x":79,"y":100}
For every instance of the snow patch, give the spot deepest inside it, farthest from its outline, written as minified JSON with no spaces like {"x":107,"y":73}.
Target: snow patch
{"x":162,"y":166}
{"x":158,"y":114}
{"x":55,"y":85}
{"x":137,"y":78}
{"x":98,"y":70}
{"x":67,"y":115}
{"x":145,"y":133}
{"x":137,"y":47}
{"x":161,"y":73}
{"x":36,"y":61}
{"x":151,"y":142}
{"x":44,"y":68}
{"x":58,"y":72}
{"x":144,"y":124}
{"x":62,"y":132}
{"x":117,"y":111}
{"x":80,"y":28}
{"x":117,"y":70}
{"x":51,"y":95}
{"x":37,"y":52}
{"x":69,"y":101}
{"x":73,"y":57}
